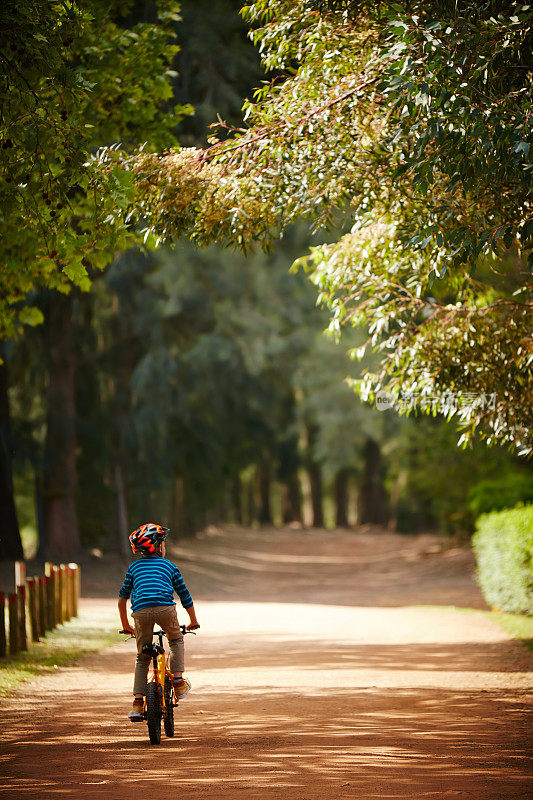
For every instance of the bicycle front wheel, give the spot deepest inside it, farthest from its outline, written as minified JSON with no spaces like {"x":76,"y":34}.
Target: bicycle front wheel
{"x":153,"y":713}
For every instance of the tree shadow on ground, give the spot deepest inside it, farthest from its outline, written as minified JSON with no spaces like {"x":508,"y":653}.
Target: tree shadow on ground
{"x":281,"y":653}
{"x":340,"y":743}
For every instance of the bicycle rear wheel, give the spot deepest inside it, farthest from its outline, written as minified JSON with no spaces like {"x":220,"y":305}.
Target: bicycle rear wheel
{"x":169,"y":710}
{"x":153,"y":713}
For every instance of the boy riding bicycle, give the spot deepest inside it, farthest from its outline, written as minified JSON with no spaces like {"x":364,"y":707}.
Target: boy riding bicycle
{"x":151,"y":582}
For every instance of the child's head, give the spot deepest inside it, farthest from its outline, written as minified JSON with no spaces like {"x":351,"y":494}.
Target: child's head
{"x":148,"y":539}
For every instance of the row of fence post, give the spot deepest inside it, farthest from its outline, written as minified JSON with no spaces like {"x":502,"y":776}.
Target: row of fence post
{"x":43,"y":601}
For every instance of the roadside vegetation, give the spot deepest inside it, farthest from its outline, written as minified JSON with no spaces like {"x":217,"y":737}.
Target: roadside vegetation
{"x":91,"y":630}
{"x":519,"y":626}
{"x":503,"y":544}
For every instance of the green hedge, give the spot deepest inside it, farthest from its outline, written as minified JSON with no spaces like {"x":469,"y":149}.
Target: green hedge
{"x":505,"y":492}
{"x":503,"y":544}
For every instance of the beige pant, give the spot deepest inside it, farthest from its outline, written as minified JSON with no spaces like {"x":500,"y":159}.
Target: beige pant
{"x":167,"y":619}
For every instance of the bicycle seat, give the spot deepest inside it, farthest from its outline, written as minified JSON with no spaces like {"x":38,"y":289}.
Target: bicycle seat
{"x":152,"y":649}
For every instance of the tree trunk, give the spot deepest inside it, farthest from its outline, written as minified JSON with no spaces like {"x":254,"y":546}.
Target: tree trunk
{"x":341,"y":498}
{"x":120,"y":392}
{"x":10,"y":542}
{"x":60,"y":477}
{"x":39,"y":517}
{"x":315,"y":478}
{"x":291,"y":500}
{"x":178,"y":508}
{"x":394,"y":502}
{"x":186,"y":517}
{"x":236,"y":500}
{"x":250,"y":501}
{"x":264,"y":480}
{"x":289,"y":462}
{"x":372,"y":497}
{"x":122,"y":511}
{"x":317,"y":495}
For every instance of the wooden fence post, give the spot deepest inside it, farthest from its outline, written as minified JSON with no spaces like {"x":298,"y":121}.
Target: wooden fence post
{"x":64,"y":593}
{"x":20,"y":574}
{"x":58,"y":592}
{"x":41,"y":589}
{"x":13,"y":623}
{"x":75,"y":570}
{"x":50,"y":602}
{"x":50,"y":595}
{"x":23,"y":640}
{"x":68,"y":593}
{"x":2,"y":625}
{"x":33,"y":608}
{"x":78,"y":585}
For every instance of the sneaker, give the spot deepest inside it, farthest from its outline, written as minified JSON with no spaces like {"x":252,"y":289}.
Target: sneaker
{"x":181,"y":687}
{"x":137,"y":711}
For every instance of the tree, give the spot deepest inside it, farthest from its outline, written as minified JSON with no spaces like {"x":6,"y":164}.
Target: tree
{"x":60,"y":466}
{"x":429,"y":479}
{"x":346,"y":435}
{"x":10,"y":541}
{"x":410,"y":122}
{"x":219,"y":336}
{"x":99,"y":76}
{"x":74,"y":77}
{"x":120,"y":82}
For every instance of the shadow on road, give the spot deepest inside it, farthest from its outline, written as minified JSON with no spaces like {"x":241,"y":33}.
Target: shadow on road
{"x":339,"y":743}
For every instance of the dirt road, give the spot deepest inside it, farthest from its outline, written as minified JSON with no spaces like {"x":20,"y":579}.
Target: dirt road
{"x":318,"y":673}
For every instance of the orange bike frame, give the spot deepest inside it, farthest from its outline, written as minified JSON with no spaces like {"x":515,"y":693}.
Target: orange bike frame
{"x":158,"y":676}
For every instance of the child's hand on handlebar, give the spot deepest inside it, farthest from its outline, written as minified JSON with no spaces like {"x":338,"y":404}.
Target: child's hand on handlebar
{"x":128,"y":629}
{"x":193,"y":622}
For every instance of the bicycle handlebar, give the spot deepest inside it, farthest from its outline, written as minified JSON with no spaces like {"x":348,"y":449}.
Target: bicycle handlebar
{"x":184,"y":630}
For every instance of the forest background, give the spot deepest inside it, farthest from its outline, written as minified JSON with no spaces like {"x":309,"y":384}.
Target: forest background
{"x":197,"y":386}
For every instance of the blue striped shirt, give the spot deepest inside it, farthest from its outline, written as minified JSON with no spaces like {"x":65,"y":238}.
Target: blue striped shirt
{"x":151,"y":581}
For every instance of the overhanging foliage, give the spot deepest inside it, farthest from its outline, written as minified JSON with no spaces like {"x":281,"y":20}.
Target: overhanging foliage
{"x":74,"y":75}
{"x":409,"y":123}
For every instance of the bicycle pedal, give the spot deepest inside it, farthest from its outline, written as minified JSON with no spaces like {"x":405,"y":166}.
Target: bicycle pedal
{"x":136,"y":717}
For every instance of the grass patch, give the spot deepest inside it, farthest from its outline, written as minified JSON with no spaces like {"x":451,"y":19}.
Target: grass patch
{"x":90,"y":631}
{"x":519,"y":626}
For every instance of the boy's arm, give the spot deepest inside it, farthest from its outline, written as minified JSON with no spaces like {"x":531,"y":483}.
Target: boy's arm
{"x":123,"y":595}
{"x":123,"y":611}
{"x":192,"y":617}
{"x":186,"y":599}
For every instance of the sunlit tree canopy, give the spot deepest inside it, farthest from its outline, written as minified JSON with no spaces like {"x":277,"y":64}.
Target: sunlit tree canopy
{"x":74,"y":76}
{"x":406,"y":127}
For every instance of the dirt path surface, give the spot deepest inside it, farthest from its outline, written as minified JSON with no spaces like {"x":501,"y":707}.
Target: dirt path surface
{"x":321,"y":671}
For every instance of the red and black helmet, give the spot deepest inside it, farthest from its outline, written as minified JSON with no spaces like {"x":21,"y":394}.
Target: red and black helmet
{"x":147,"y":538}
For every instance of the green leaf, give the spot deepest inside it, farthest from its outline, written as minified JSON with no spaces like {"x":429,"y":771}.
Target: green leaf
{"x":77,"y":273}
{"x":30,"y":315}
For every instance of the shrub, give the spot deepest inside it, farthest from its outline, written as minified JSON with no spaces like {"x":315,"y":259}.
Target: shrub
{"x":503,"y":544}
{"x":505,"y":492}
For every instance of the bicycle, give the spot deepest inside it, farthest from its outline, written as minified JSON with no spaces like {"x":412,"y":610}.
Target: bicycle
{"x":160,"y":700}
